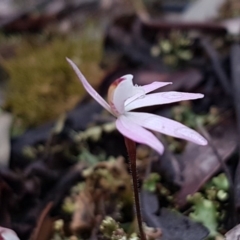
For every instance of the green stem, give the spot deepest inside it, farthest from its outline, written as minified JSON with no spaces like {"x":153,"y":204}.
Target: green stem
{"x":131,"y":148}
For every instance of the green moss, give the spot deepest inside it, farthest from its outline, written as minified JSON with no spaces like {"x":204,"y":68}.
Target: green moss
{"x":42,"y":84}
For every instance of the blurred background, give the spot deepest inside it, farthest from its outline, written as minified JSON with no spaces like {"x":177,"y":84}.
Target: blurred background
{"x":51,"y":131}
{"x":36,"y":83}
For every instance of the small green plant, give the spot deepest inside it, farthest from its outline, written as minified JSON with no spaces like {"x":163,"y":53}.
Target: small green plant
{"x":112,"y":230}
{"x":205,"y":211}
{"x":209,"y":206}
{"x":175,"y":50}
{"x":150,"y":183}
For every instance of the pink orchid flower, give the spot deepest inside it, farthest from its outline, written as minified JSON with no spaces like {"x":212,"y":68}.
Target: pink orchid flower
{"x":7,"y":234}
{"x":123,"y":97}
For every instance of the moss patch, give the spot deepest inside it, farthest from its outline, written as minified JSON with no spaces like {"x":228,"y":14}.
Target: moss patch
{"x":42,"y":85}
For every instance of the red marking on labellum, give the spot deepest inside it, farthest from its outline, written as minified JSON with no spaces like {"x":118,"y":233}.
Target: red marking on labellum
{"x":117,"y":81}
{"x":113,"y":108}
{"x":112,"y":88}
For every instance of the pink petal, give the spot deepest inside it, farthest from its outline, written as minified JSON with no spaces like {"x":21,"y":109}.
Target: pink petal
{"x":166,"y":126}
{"x":155,"y":85}
{"x":146,"y":88}
{"x":88,"y":87}
{"x":138,"y":134}
{"x":7,"y":234}
{"x":161,"y":98}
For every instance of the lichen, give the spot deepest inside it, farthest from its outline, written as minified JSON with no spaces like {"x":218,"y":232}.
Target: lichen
{"x":41,"y":83}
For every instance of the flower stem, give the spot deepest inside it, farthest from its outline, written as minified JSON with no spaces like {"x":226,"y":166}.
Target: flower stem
{"x":131,"y":148}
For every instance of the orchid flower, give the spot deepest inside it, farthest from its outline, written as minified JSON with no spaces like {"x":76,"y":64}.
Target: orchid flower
{"x":7,"y":234}
{"x":123,"y":97}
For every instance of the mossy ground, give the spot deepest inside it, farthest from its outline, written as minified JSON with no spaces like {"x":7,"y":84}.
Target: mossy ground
{"x":42,"y":85}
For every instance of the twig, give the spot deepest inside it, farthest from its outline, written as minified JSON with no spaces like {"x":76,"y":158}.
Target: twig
{"x":44,"y":224}
{"x":213,"y":55}
{"x":164,"y":26}
{"x":131,"y":149}
{"x":235,"y":61}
